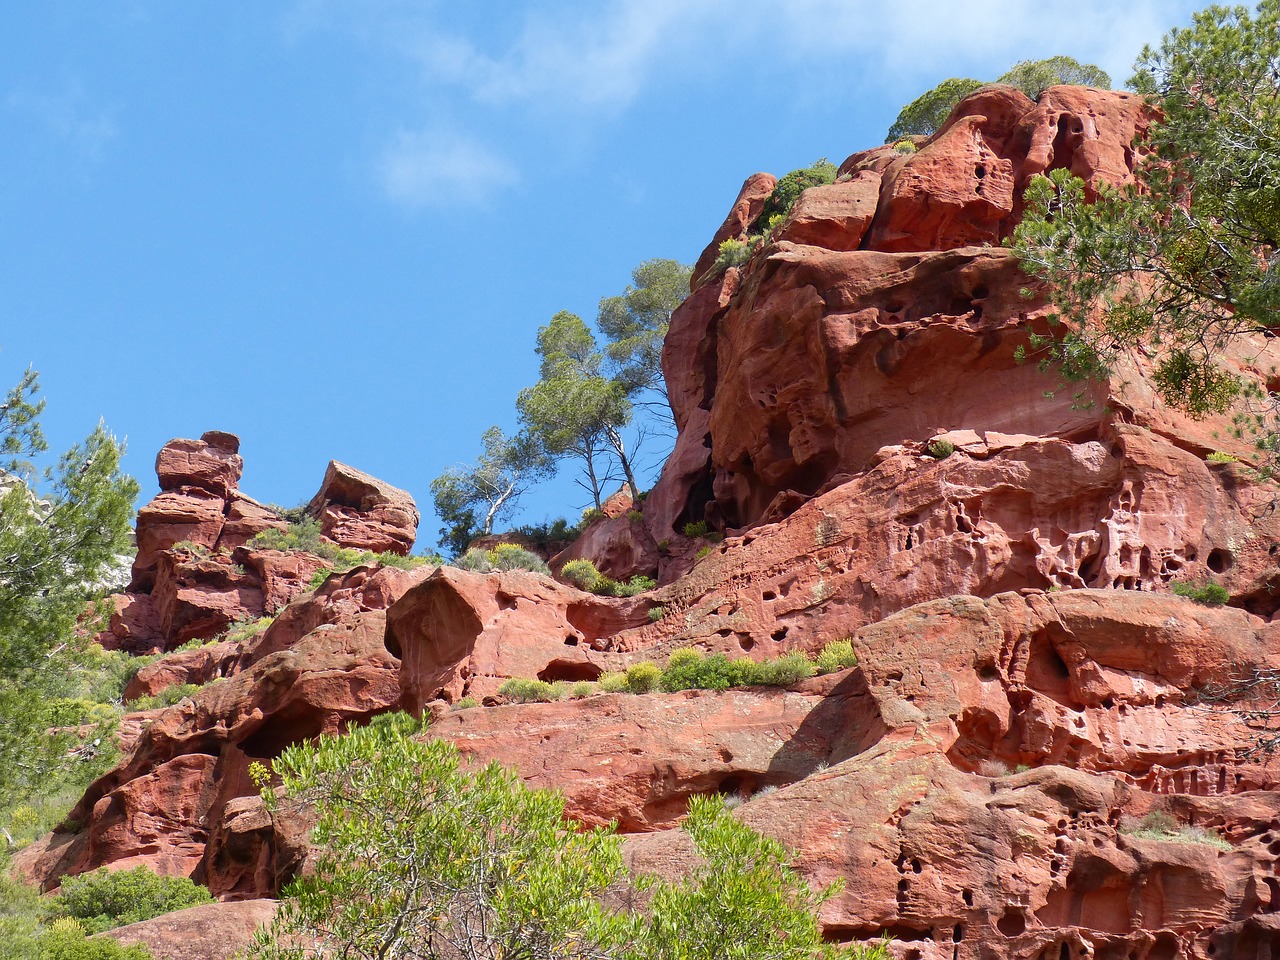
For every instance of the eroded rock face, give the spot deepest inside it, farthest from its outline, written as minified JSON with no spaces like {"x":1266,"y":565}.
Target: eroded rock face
{"x":360,"y":511}
{"x":217,"y":931}
{"x":194,"y":574}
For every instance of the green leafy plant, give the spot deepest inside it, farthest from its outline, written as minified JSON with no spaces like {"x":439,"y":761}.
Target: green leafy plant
{"x":788,"y":190}
{"x":703,"y":551}
{"x":505,"y":556}
{"x":104,"y":899}
{"x":416,"y":848}
{"x":1219,"y":457}
{"x":522,"y":690}
{"x":656,"y":613}
{"x":615,"y":682}
{"x":168,"y":697}
{"x":733,"y":252}
{"x":940,"y":449}
{"x":643,"y":677}
{"x":466,"y":703}
{"x":1159,"y":825}
{"x":584,"y":575}
{"x":1207,"y":594}
{"x":836,"y":655}
{"x":635,"y":586}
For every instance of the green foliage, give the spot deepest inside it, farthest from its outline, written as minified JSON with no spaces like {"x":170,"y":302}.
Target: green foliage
{"x":1185,"y":258}
{"x":66,"y":940}
{"x":613,"y":683}
{"x":940,"y":449}
{"x":695,"y":529}
{"x":734,"y":252}
{"x":1219,"y":457}
{"x":836,"y":655}
{"x":1033,"y":77}
{"x":744,"y":901}
{"x":584,"y":575}
{"x":104,"y":899}
{"x":926,"y":114}
{"x":419,"y":853}
{"x":168,"y":697}
{"x":643,"y":677}
{"x":703,"y":551}
{"x":1159,"y":825}
{"x":636,"y":323}
{"x":522,"y":690}
{"x":505,"y":556}
{"x":689,"y":669}
{"x":635,"y":586}
{"x":783,"y":671}
{"x":906,"y":146}
{"x":1207,"y":594}
{"x":788,"y":190}
{"x":471,"y":498}
{"x":61,"y":531}
{"x":304,"y":537}
{"x":466,"y":703}
{"x":656,"y":613}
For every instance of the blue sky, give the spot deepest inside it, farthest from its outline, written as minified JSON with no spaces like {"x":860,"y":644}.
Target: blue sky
{"x":334,"y":227}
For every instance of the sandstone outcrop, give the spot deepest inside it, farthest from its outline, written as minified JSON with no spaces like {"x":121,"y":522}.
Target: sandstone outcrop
{"x":217,"y":931}
{"x":195,"y":574}
{"x":1028,"y":760}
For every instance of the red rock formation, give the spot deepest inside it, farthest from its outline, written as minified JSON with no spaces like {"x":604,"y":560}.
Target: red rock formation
{"x":217,"y":931}
{"x":1026,"y":689}
{"x":360,"y":511}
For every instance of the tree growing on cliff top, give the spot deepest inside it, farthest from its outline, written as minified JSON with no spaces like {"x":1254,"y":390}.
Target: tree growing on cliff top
{"x":1189,"y":256}
{"x":926,"y":114}
{"x":635,"y":324}
{"x":61,"y":531}
{"x":471,"y":498}
{"x":574,"y":411}
{"x":422,"y":856}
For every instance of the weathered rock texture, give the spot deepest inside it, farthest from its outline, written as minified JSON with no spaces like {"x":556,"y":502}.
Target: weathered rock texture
{"x":194,"y":574}
{"x":1028,"y":690}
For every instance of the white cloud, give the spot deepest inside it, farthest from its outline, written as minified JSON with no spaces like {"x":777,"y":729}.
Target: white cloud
{"x":437,"y":168}
{"x":69,"y":117}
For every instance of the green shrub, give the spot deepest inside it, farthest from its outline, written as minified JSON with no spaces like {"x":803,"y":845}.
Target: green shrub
{"x":66,"y":940}
{"x":689,"y":670}
{"x":1159,"y":825}
{"x":696,"y":529}
{"x":1219,"y":457}
{"x":905,"y":147}
{"x":835,"y":656}
{"x":643,"y":677}
{"x":583,"y":688}
{"x":732,"y":253}
{"x":168,"y":697}
{"x":657,"y":613}
{"x":511,"y":556}
{"x":590,"y":516}
{"x":503,"y":557}
{"x":788,"y":669}
{"x":1208,"y":594}
{"x":703,"y":551}
{"x":940,"y":449}
{"x":104,"y":899}
{"x":634,"y":586}
{"x":789,"y":188}
{"x":613,"y":683}
{"x":466,"y":703}
{"x":635,"y":516}
{"x":523,"y":690}
{"x":584,"y":575}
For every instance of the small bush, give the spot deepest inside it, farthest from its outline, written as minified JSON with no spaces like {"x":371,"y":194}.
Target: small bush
{"x":643,"y":677}
{"x":836,"y":655}
{"x":1159,"y":825}
{"x":1208,"y":594}
{"x":66,"y":940}
{"x":613,"y":683}
{"x":703,"y":551}
{"x":789,"y":188}
{"x":583,"y":688}
{"x":104,"y":899}
{"x":590,"y":516}
{"x":689,"y":670}
{"x":696,"y":529}
{"x":522,"y":690}
{"x":788,"y":669}
{"x":510,"y":556}
{"x":940,"y":449}
{"x":635,"y":516}
{"x":905,"y":146}
{"x":466,"y":703}
{"x":635,"y":586}
{"x":1219,"y":457}
{"x":657,"y":613}
{"x":584,"y":575}
{"x":167,"y":697}
{"x":732,"y":253}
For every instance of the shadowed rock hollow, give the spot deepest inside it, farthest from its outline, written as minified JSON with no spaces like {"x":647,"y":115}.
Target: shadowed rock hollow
{"x":1026,"y":695}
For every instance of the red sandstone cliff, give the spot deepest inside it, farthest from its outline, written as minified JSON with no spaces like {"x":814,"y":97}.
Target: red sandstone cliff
{"x":1026,"y":687}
